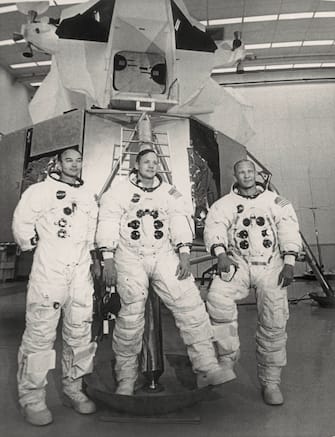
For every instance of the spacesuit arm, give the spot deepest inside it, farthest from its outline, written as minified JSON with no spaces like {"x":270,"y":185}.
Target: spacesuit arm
{"x":25,"y":218}
{"x":288,"y":230}
{"x":179,"y":221}
{"x":108,"y":229}
{"x":216,"y":229}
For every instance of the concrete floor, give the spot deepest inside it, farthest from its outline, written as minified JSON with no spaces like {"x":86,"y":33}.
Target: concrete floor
{"x":308,"y":382}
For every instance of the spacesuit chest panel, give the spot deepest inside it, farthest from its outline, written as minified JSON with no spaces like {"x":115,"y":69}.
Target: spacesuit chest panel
{"x":253,"y":232}
{"x":145,"y":220}
{"x":66,"y":214}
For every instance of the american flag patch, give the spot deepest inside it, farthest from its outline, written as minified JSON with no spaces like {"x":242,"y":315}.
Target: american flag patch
{"x":174,"y":192}
{"x":281,"y":201}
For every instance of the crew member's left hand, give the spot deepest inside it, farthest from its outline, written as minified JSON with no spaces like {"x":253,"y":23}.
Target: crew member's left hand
{"x":184,"y":268}
{"x":286,"y":275}
{"x":96,"y":269}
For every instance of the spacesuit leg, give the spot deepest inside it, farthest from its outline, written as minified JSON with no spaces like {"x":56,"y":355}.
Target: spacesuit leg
{"x":78,"y":349}
{"x":221,"y":307}
{"x":132,"y":286}
{"x":36,"y":354}
{"x":272,"y":308}
{"x":182,"y":297}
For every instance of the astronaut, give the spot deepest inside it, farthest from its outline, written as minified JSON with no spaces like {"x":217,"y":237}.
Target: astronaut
{"x":57,"y":218}
{"x":255,"y":235}
{"x":144,"y":236}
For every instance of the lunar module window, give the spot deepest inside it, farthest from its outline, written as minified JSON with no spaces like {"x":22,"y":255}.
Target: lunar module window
{"x":93,"y":25}
{"x":139,"y":72}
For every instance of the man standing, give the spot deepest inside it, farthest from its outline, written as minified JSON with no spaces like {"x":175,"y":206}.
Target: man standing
{"x":142,"y":224}
{"x":58,"y":218}
{"x":255,"y":235}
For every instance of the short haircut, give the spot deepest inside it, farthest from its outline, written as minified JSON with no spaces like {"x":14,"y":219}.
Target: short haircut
{"x":240,"y":162}
{"x":61,"y":152}
{"x":144,"y":152}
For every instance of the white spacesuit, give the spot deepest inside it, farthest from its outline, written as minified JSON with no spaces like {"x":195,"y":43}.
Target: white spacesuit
{"x":257,"y":232}
{"x":60,"y":221}
{"x":145,"y":227}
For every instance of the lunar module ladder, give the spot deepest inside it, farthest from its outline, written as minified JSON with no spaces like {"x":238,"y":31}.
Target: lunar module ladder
{"x":124,"y":154}
{"x":329,"y":299}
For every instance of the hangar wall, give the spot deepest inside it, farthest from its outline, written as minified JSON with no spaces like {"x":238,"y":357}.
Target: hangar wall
{"x":295,"y":138}
{"x":14,"y":99}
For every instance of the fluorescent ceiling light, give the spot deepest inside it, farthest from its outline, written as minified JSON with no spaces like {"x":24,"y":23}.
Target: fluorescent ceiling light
{"x":10,"y":42}
{"x":296,"y":16}
{"x":66,"y":2}
{"x":278,"y":67}
{"x":224,"y":70}
{"x":310,"y":65}
{"x":24,"y":65}
{"x":30,"y":64}
{"x":6,"y":9}
{"x":42,"y":63}
{"x":265,"y":45}
{"x":13,"y":8}
{"x":218,"y":22}
{"x":256,"y":18}
{"x":286,"y":44}
{"x":329,"y":14}
{"x":35,"y":83}
{"x":321,"y":42}
{"x":254,"y":68}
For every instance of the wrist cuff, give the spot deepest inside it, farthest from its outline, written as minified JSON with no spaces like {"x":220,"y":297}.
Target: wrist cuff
{"x":216,"y":249}
{"x":107,"y":255}
{"x":289,"y":259}
{"x":184,"y":247}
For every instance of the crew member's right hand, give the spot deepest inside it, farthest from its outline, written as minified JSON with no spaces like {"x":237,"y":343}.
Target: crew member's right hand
{"x":225,"y":263}
{"x":109,"y":272}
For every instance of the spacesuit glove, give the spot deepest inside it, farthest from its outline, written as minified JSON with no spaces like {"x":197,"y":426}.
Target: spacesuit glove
{"x":184,"y":267}
{"x":96,"y":269}
{"x":286,"y":275}
{"x":224,"y":264}
{"x":109,"y":272}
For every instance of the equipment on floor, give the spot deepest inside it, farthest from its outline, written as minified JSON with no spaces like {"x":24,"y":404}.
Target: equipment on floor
{"x":327,"y":301}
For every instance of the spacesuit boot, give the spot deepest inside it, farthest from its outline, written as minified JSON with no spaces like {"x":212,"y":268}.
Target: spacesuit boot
{"x":216,"y":376}
{"x":269,"y":377}
{"x":75,"y":398}
{"x":272,"y":394}
{"x":37,"y":413}
{"x":126,"y":387}
{"x":32,"y":379}
{"x":227,"y":364}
